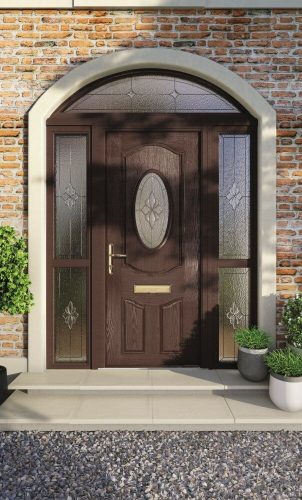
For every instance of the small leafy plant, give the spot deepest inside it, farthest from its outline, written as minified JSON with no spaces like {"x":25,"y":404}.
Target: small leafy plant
{"x":284,"y":362}
{"x":15,"y":296}
{"x":292,"y":320}
{"x":252,"y":338}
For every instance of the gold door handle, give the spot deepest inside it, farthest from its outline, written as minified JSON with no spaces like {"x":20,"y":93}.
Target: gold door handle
{"x":112,"y":255}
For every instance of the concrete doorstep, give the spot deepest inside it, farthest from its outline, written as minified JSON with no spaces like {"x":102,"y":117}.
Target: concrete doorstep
{"x":141,"y":399}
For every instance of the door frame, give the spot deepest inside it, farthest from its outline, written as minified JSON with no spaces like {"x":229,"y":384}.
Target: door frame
{"x":98,"y":126}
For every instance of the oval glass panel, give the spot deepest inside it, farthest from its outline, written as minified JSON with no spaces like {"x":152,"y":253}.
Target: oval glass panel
{"x":152,"y":210}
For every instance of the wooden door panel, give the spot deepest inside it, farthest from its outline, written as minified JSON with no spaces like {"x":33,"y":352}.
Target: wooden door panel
{"x":153,"y":329}
{"x":133,"y":322}
{"x":171,"y":326}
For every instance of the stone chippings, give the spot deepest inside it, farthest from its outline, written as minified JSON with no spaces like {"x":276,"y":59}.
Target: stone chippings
{"x":150,"y":465}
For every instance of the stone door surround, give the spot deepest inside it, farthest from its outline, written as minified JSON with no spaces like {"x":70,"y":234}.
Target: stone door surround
{"x":137,"y":59}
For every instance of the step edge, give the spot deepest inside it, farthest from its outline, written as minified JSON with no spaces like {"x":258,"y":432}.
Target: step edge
{"x":139,"y":388}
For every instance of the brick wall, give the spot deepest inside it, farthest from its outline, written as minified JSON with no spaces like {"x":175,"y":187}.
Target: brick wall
{"x":262,"y":46}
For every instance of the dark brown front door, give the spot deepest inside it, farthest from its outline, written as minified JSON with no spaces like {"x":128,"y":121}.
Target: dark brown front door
{"x":171,"y":193}
{"x":152,"y":304}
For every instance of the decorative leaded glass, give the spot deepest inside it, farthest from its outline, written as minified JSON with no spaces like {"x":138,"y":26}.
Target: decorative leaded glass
{"x":234,"y":308}
{"x":71,"y":199}
{"x":234,"y":196}
{"x":152,"y":93}
{"x":70,"y":314}
{"x":152,"y":210}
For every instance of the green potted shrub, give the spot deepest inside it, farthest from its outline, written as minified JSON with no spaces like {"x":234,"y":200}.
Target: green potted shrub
{"x":253,"y":346}
{"x":285,"y":385}
{"x":15,"y":296}
{"x":292,"y":320}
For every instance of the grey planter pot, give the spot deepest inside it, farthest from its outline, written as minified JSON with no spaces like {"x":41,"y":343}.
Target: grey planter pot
{"x":251,"y":364}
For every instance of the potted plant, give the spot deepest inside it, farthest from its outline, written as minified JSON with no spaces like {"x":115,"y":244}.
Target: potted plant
{"x":292,"y":320}
{"x":285,"y":385}
{"x":253,"y":346}
{"x":15,"y":296}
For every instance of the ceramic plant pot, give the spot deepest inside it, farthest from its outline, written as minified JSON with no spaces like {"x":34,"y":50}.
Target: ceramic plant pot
{"x":286,"y":392}
{"x":251,"y":364}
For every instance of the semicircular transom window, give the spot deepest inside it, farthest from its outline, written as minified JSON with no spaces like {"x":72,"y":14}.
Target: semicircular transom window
{"x":152,"y":210}
{"x":154,"y":93}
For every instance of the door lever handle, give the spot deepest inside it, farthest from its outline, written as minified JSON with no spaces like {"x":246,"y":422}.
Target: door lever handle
{"x":112,"y":255}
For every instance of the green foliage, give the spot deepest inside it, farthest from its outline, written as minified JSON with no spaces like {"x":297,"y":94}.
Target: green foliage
{"x":292,"y":320}
{"x":284,"y":362}
{"x":15,"y":297}
{"x":252,"y":338}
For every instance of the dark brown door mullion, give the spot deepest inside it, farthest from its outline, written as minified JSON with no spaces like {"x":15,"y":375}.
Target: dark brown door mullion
{"x":136,"y":121}
{"x":209,"y":249}
{"x":234,"y":263}
{"x":50,"y":158}
{"x":71,"y":263}
{"x":98,"y":246}
{"x":254,"y":227}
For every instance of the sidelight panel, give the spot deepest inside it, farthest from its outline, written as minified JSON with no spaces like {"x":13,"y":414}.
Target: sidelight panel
{"x":71,"y":196}
{"x":234,"y":196}
{"x":234,"y":308}
{"x":70,"y":314}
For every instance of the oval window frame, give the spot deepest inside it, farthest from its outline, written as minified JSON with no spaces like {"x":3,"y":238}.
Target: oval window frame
{"x":170,"y":210}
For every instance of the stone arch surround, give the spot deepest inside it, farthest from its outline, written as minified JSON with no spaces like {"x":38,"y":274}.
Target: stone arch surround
{"x":138,"y":59}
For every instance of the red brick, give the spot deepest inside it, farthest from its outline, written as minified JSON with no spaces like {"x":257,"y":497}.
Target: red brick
{"x":262,"y":46}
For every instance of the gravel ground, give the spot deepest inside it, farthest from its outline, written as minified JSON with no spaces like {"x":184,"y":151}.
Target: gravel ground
{"x":150,"y":465}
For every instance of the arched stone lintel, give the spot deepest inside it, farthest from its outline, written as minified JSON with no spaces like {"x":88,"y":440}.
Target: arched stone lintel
{"x":137,"y":59}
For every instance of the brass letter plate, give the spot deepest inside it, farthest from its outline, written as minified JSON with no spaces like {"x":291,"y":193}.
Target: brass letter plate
{"x":152,"y":288}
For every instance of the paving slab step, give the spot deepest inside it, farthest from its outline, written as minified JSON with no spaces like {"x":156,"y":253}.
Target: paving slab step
{"x":135,"y":379}
{"x":191,"y":410}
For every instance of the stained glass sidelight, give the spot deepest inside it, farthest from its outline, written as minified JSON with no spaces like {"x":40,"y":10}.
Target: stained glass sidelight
{"x":234,"y":196}
{"x":70,"y":314}
{"x":234,"y":308}
{"x":152,"y":210}
{"x":71,"y":198}
{"x":152,"y":93}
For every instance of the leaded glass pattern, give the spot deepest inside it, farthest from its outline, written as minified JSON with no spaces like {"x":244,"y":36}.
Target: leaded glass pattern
{"x":234,"y":308}
{"x":70,"y":314}
{"x":234,"y":196}
{"x":71,"y":198}
{"x":152,"y":93}
{"x":152,"y":210}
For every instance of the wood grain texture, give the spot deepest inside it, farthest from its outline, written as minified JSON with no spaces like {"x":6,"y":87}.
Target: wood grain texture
{"x":192,"y":139}
{"x":171,"y":338}
{"x":134,"y":327}
{"x":171,"y":326}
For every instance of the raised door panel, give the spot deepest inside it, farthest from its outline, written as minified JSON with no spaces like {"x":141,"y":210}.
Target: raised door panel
{"x":134,"y":327}
{"x":171,"y":326}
